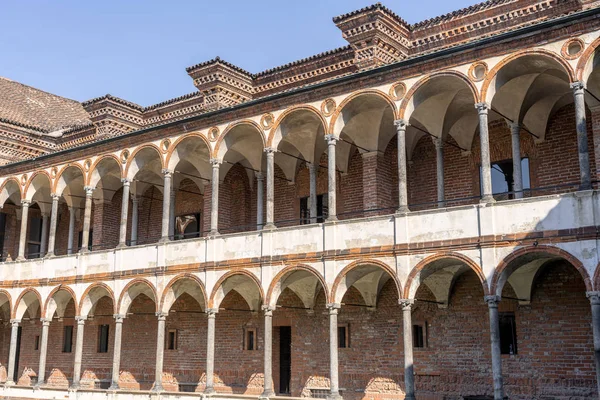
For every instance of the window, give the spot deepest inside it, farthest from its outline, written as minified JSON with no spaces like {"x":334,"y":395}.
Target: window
{"x":36,"y":342}
{"x":68,"y":339}
{"x":90,"y":241}
{"x":250,"y":339}
{"x":508,"y":333}
{"x":172,"y":339}
{"x":502,"y":177}
{"x":419,"y":336}
{"x":187,"y":226}
{"x":343,"y":337}
{"x":34,"y":241}
{"x":103,"y":339}
{"x":2,"y":233}
{"x":322,"y":209}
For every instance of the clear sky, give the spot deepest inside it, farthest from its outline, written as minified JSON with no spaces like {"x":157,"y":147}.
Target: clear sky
{"x":139,"y":49}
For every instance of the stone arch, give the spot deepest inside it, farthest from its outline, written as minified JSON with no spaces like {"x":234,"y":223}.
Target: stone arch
{"x":183,"y":283}
{"x":36,"y":182}
{"x":63,"y":170}
{"x":168,"y":160}
{"x":444,"y":264}
{"x":347,"y":100}
{"x":5,"y":298}
{"x":94,"y":179}
{"x":292,"y":110}
{"x":92,"y":294}
{"x":237,"y":281}
{"x":132,"y":169}
{"x":217,"y":152}
{"x":492,"y":74}
{"x":351,"y":276}
{"x":455,"y":74}
{"x":10,"y":187}
{"x":532,"y":264}
{"x":301,"y":272}
{"x":58,"y":304}
{"x":132,"y":290}
{"x":584,"y":65}
{"x":26,"y":299}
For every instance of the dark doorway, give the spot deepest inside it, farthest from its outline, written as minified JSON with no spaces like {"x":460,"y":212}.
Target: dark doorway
{"x":17,"y":356}
{"x":285,"y":359}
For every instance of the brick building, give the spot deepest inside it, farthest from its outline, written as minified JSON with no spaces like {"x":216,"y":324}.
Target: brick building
{"x":413,"y":215}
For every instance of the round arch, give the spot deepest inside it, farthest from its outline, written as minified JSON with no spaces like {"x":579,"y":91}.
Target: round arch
{"x":453,"y":74}
{"x":230,"y":127}
{"x":95,"y":165}
{"x":27,"y":298}
{"x":582,"y":71}
{"x":137,"y":287}
{"x":132,"y":157}
{"x":292,"y":110}
{"x":277,"y":286}
{"x":415,"y":277}
{"x":5,"y":194}
{"x":8,"y":300}
{"x":177,"y":286}
{"x":92,"y":294}
{"x":52,"y":305}
{"x":30,"y":182}
{"x":344,"y":281}
{"x":220,"y":291}
{"x":353,"y":96}
{"x":507,"y":267}
{"x":181,"y":139}
{"x":63,"y":170}
{"x":490,"y":78}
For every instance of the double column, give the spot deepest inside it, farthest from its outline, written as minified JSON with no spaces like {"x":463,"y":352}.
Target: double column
{"x":210,"y":351}
{"x":214,"y":200}
{"x":486,"y":166}
{"x":334,"y":380}
{"x":166,"y":209}
{"x":78,"y":352}
{"x":401,"y":126}
{"x":268,"y":379}
{"x":43,"y":352}
{"x":515,"y":133}
{"x":87,"y":214}
{"x":331,"y":178}
{"x":409,"y":369}
{"x":124,"y":214}
{"x":23,"y":233}
{"x":53,"y":221}
{"x":116,"y":366}
{"x":12,"y":353}
{"x":160,"y":351}
{"x":270,"y":155}
{"x":582,"y":139}
{"x":492,"y":302}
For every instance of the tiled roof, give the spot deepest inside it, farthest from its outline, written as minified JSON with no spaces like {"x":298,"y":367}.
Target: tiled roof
{"x":175,"y":100}
{"x":303,"y":60}
{"x":25,"y":106}
{"x":112,"y":98}
{"x":460,"y":13}
{"x":218,"y":60}
{"x":376,"y":6}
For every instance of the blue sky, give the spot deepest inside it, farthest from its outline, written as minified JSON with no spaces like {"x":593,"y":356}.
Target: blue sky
{"x":139,"y":49}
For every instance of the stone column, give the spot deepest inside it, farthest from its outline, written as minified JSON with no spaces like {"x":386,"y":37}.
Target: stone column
{"x":160,"y":351}
{"x":166,"y":205}
{"x":409,"y":368}
{"x":515,"y":132}
{"x":331,"y":177}
{"x":260,"y":182}
{"x":116,"y":365}
{"x":172,"y":215}
{"x":595,"y":302}
{"x":334,"y":384}
{"x":268,"y":383}
{"x":312,"y":172}
{"x":44,"y":239}
{"x":124,"y":214}
{"x":582,"y":139}
{"x":270,"y":152}
{"x":214,"y":200}
{"x":23,"y":234}
{"x":210,"y":351}
{"x":53,"y":221}
{"x":492,"y":302}
{"x":134,"y":219}
{"x":71,"y":230}
{"x":78,"y":352}
{"x":439,"y":157}
{"x":401,"y":126}
{"x":12,"y":354}
{"x":43,"y":352}
{"x":87,"y":215}
{"x":486,"y":167}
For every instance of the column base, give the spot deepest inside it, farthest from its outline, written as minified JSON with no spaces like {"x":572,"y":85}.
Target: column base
{"x":50,"y":255}
{"x":9,"y":383}
{"x":334,"y":396}
{"x":209,"y":391}
{"x":266,"y":395}
{"x":489,"y":199}
{"x":38,"y":386}
{"x":402,"y":210}
{"x":75,"y":386}
{"x":121,"y":246}
{"x":269,"y":227}
{"x":332,"y":218}
{"x":82,"y":251}
{"x":214,"y":233}
{"x":157,"y":387}
{"x":164,"y":239}
{"x":114,"y":387}
{"x":20,"y":258}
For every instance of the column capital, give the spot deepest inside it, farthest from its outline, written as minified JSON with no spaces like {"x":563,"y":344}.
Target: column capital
{"x":119,"y":318}
{"x":125,"y":181}
{"x":311,"y":166}
{"x":55,"y":196}
{"x":331,"y":139}
{"x":25,"y":202}
{"x":166,"y":172}
{"x":406,"y":304}
{"x":482,"y":108}
{"x":134,"y":198}
{"x":88,"y":191}
{"x":259,"y":176}
{"x":268,"y":310}
{"x":81,"y":319}
{"x":514,"y":127}
{"x":15,"y":322}
{"x":492,"y":300}
{"x":212,"y":312}
{"x":578,"y":86}
{"x":594,"y":298}
{"x":215,"y":162}
{"x":270,"y":150}
{"x":334,"y":308}
{"x":45,"y":321}
{"x":161,"y":315}
{"x":437,"y":142}
{"x":401,"y":124}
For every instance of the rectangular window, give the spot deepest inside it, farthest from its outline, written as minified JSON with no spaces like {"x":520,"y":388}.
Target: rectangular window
{"x":187,"y":226}
{"x":172,"y":339}
{"x":68,"y":339}
{"x":250,"y":339}
{"x":502,"y":178}
{"x":36,"y":343}
{"x":103,"y":338}
{"x":91,"y":240}
{"x":508,"y":333}
{"x":34,"y":240}
{"x":343,"y":337}
{"x":322,"y":209}
{"x":418,"y":336}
